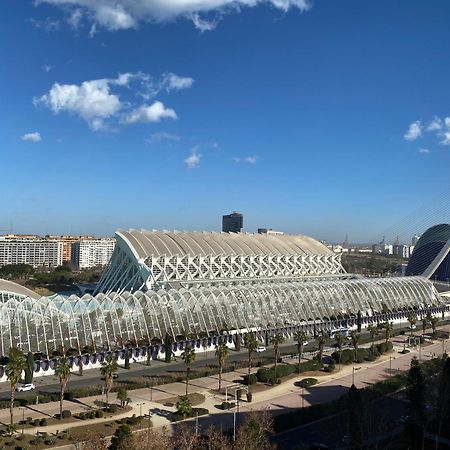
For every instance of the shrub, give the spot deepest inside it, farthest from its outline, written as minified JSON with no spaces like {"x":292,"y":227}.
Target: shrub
{"x":36,"y":422}
{"x":265,"y":375}
{"x":112,"y":408}
{"x":330,"y":368}
{"x":43,"y":422}
{"x":29,"y":420}
{"x":66,"y":414}
{"x":253,"y":379}
{"x":99,"y":413}
{"x":226,"y":405}
{"x":306,"y":382}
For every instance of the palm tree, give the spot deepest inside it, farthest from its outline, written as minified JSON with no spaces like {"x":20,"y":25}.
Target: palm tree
{"x":108,"y":369}
{"x":434,"y":322}
{"x":425,"y":323}
{"x":62,"y":371}
{"x":16,"y":364}
{"x":412,"y":319}
{"x":340,"y":344}
{"x":251,"y":343}
{"x":354,"y":335}
{"x":277,"y":340}
{"x":373,"y":330}
{"x":301,"y":338}
{"x":321,"y":339}
{"x":188,"y":356}
{"x":221,"y":353}
{"x":388,"y":327}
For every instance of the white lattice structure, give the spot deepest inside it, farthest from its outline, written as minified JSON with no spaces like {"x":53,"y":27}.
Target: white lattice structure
{"x":149,"y":259}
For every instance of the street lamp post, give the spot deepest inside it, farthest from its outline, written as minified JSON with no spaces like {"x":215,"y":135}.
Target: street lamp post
{"x":140,"y":409}
{"x":23,"y":418}
{"x":390,"y":366}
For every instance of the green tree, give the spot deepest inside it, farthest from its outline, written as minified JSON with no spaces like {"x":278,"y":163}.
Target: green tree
{"x":416,"y":396}
{"x":108,"y":369}
{"x":301,"y":339}
{"x":62,"y":371}
{"x":322,"y":338}
{"x":184,"y":406}
{"x":122,"y":395}
{"x":255,"y":432}
{"x":340,"y":344}
{"x":29,"y":371}
{"x":412,"y":319}
{"x":168,"y":342}
{"x":252,"y":344}
{"x":121,"y":438}
{"x":16,"y":364}
{"x":355,"y":336}
{"x":355,"y":415}
{"x":373,"y":330}
{"x":276,"y":341}
{"x":388,"y":328}
{"x":425,"y":323}
{"x":127,"y":359}
{"x":221,"y":353}
{"x":188,"y":356}
{"x":434,"y":322}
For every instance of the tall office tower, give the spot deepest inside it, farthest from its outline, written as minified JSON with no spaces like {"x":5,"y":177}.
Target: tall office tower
{"x":232,"y":223}
{"x":415,"y":239}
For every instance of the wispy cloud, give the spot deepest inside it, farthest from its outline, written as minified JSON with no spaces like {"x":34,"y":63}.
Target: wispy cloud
{"x":99,"y":101}
{"x":246,"y":159}
{"x":47,"y":68}
{"x":193,"y":160}
{"x":414,"y":131}
{"x":162,"y":136}
{"x":32,"y":137}
{"x":124,"y":14}
{"x":424,"y":150}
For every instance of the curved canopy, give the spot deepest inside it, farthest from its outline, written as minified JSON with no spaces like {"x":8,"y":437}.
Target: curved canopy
{"x":110,"y":320}
{"x":8,"y":288}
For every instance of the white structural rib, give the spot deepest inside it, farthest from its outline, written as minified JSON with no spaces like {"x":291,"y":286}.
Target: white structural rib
{"x":437,"y":261}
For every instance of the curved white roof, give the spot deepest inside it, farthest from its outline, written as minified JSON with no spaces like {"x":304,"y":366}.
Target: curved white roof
{"x":170,"y":243}
{"x":9,"y":287}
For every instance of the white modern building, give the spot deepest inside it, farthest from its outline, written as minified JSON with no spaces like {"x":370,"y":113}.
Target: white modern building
{"x":92,"y":252}
{"x":35,"y":252}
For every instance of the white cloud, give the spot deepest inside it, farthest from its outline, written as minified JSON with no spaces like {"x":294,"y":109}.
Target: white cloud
{"x":247,"y":159}
{"x":172,"y":82}
{"x":152,"y":113}
{"x":32,"y":137}
{"x":124,"y":14}
{"x":424,"y":150}
{"x":98,"y":102}
{"x":445,"y":138}
{"x":193,"y":160}
{"x":435,"y":124}
{"x":47,"y":68}
{"x":75,"y":18}
{"x":162,"y":136}
{"x":414,"y":131}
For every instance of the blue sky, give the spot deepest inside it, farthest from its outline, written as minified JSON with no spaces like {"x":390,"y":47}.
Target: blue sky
{"x":321,"y":118}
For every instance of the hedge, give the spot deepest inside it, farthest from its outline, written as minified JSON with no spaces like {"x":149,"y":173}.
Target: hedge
{"x":195,"y":412}
{"x":306,"y":382}
{"x":253,"y":379}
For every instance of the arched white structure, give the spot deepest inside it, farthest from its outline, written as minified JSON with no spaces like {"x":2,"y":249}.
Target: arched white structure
{"x":149,"y":259}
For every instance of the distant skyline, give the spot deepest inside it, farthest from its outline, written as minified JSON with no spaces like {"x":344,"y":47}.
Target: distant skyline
{"x":323,"y":118}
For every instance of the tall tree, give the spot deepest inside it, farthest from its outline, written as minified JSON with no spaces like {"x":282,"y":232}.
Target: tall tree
{"x":188,"y":356}
{"x":355,"y":417}
{"x":373,"y":330}
{"x":355,"y":336}
{"x":443,"y":398}
{"x":108,"y":369}
{"x":221,"y":353}
{"x":252,"y":344}
{"x":416,"y":396}
{"x":412,"y":319}
{"x":434,"y":322}
{"x":62,"y":371}
{"x":29,"y":371}
{"x":340,"y":344}
{"x":276,"y":341}
{"x":300,"y":338}
{"x":425,"y":323}
{"x":16,"y":364}
{"x":322,"y":337}
{"x":388,"y":328}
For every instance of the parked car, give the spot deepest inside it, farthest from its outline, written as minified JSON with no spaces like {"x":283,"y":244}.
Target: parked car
{"x":25,"y":387}
{"x":260,"y":349}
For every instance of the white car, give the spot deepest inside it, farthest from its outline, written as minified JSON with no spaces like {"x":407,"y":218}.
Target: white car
{"x":25,"y":387}
{"x":260,"y":349}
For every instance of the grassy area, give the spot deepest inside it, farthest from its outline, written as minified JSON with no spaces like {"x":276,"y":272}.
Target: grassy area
{"x":195,"y":399}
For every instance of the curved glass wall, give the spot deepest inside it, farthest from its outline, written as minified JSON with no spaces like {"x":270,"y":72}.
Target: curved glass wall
{"x":110,"y":321}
